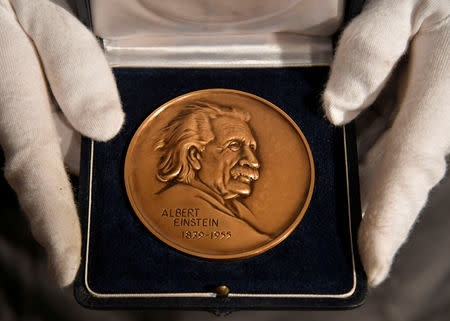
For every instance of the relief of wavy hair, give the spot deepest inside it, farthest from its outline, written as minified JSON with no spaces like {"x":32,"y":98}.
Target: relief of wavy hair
{"x":191,"y":128}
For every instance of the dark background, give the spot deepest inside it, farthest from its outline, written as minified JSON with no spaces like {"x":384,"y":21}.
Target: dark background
{"x":418,"y":288}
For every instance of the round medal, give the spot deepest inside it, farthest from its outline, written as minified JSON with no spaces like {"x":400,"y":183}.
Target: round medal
{"x":219,"y":174}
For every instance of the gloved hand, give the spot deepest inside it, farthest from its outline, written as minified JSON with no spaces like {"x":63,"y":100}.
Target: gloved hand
{"x":408,"y":158}
{"x":46,"y":53}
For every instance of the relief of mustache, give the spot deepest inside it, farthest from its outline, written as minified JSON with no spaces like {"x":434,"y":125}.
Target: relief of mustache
{"x":247,"y":172}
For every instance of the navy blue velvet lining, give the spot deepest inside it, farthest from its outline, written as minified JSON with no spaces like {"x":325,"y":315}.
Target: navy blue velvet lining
{"x":124,"y":257}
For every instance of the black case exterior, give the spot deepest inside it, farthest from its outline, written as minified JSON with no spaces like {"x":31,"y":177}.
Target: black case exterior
{"x":316,"y":267}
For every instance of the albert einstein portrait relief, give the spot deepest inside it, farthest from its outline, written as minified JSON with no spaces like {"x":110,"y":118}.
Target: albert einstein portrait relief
{"x":209,"y":155}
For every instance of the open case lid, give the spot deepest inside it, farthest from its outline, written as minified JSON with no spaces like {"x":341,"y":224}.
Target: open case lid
{"x":221,"y":33}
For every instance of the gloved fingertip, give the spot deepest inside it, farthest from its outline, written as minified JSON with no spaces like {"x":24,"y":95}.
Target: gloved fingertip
{"x":377,"y":274}
{"x":103,"y":124}
{"x":64,"y":267}
{"x":110,"y":126}
{"x":338,"y":116}
{"x":375,"y":252}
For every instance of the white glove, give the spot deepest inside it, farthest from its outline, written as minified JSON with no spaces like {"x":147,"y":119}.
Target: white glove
{"x":42,"y":43}
{"x":408,"y":159}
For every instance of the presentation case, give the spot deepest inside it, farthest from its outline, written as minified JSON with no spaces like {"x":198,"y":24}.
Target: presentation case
{"x":316,"y":267}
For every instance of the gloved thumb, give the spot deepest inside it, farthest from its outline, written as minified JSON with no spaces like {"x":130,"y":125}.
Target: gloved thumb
{"x":75,"y":67}
{"x":367,"y":51}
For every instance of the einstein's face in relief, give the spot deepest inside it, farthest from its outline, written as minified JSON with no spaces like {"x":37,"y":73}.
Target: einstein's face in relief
{"x":228,"y":164}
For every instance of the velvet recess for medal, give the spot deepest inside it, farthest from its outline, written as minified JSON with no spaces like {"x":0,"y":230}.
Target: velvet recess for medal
{"x":124,"y":257}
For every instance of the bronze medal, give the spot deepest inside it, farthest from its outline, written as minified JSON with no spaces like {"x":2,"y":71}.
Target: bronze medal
{"x":219,"y":174}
